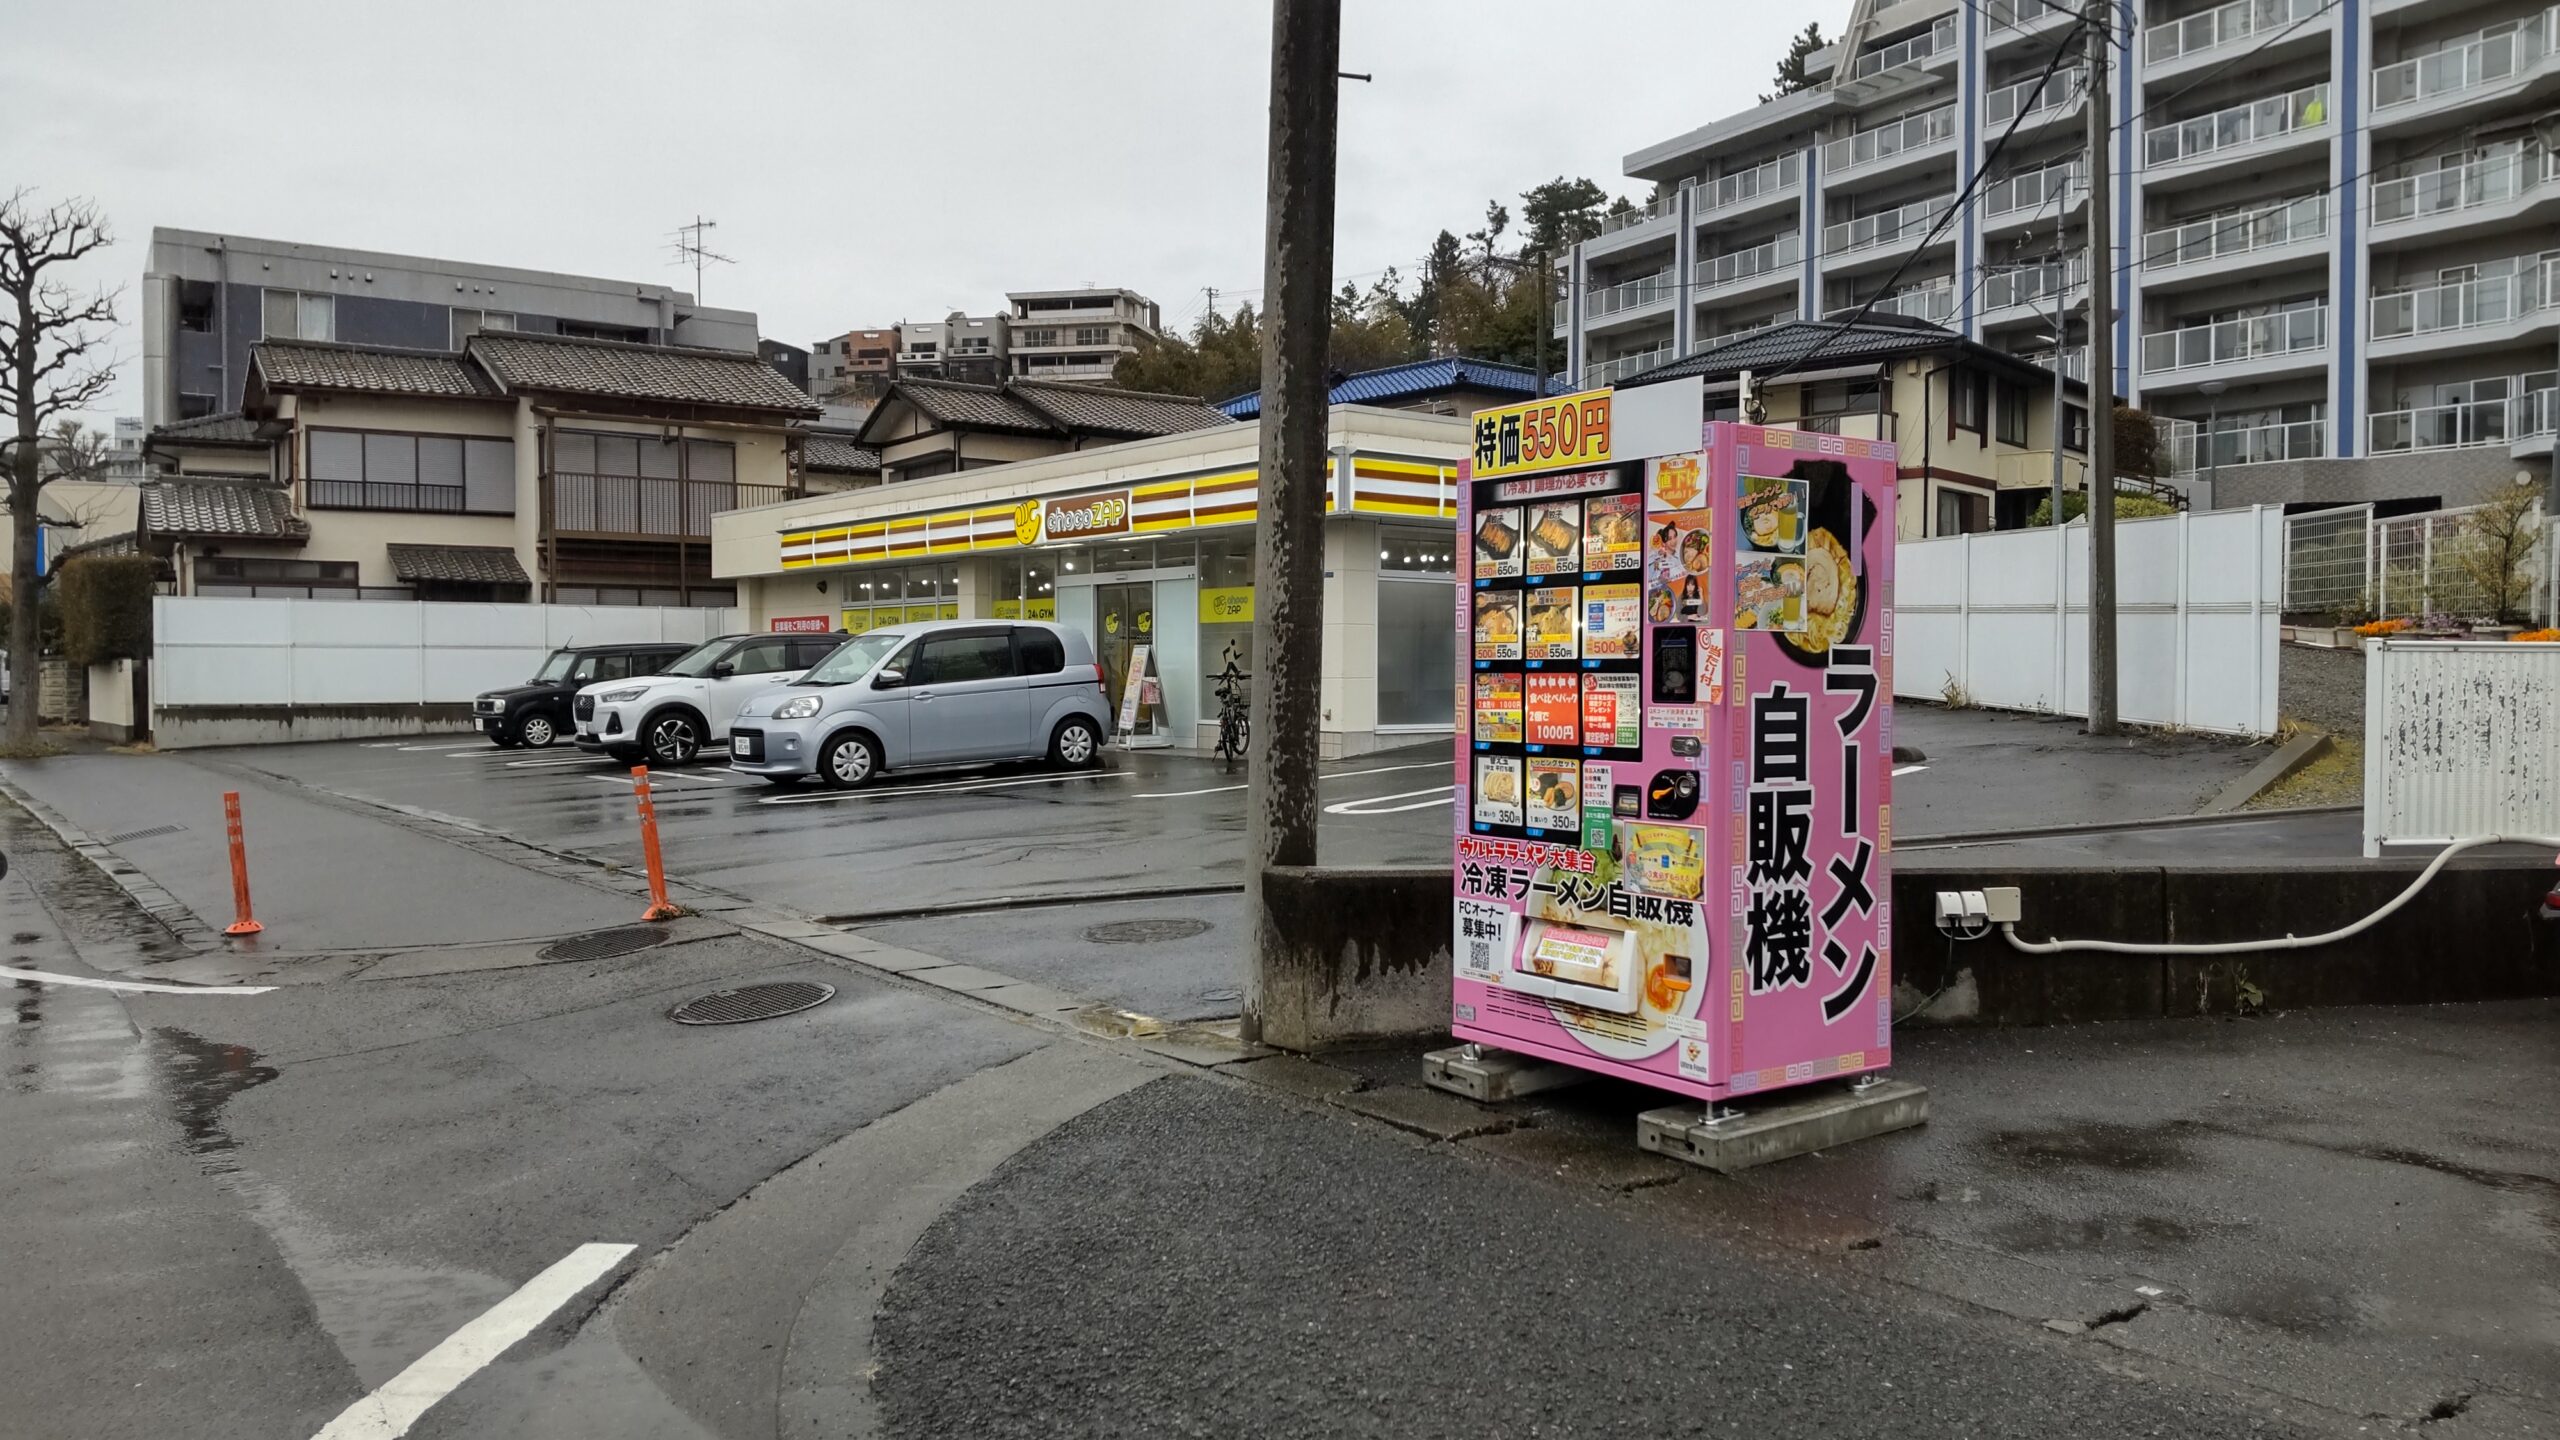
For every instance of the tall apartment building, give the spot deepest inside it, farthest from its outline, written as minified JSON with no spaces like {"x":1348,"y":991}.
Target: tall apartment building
{"x":1078,"y":334}
{"x":858,"y":364}
{"x":207,"y":298}
{"x":2332,"y":222}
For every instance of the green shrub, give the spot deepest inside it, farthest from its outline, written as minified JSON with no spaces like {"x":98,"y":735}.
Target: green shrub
{"x":106,"y":608}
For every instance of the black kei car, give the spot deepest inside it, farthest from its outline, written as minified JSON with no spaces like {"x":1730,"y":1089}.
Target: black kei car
{"x":536,"y":713}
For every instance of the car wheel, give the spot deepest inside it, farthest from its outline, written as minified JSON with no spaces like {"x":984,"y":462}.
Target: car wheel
{"x":781,"y":782}
{"x":674,"y":738}
{"x":503,"y":740}
{"x":536,"y":732}
{"x":1076,"y":744}
{"x":849,"y":762}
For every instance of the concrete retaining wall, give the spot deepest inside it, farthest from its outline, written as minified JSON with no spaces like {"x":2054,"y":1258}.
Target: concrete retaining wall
{"x":1370,"y":948}
{"x":183,"y":727}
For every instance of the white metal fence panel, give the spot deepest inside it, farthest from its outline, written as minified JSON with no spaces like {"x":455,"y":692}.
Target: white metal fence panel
{"x":2002,"y":620}
{"x":2328,"y":559}
{"x":2462,"y":738}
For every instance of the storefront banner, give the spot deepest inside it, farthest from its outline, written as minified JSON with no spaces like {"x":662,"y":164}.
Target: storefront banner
{"x":1226,"y":605}
{"x":1542,"y":435}
{"x":799,"y":624}
{"x":1086,"y":516}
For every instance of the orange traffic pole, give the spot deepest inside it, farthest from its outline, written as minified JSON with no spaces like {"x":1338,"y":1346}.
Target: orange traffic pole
{"x":660,"y":907}
{"x":246,"y":923}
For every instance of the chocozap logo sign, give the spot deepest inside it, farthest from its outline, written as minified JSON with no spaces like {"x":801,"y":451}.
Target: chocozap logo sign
{"x":1088,"y":515}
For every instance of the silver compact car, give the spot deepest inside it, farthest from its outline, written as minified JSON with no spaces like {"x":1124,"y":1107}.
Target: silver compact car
{"x":934,"y":693}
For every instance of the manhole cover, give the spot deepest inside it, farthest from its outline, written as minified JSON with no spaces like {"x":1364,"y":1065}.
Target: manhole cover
{"x":1225,"y":995}
{"x":751,"y":1002}
{"x":1145,"y":932}
{"x":153,"y":832}
{"x":604,"y":944}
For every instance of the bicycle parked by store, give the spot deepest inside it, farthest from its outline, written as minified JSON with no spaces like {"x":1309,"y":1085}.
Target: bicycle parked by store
{"x":1233,"y":727}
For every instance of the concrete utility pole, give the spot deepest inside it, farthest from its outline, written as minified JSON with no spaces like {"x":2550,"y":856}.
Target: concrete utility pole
{"x":1288,"y":559}
{"x":2102,"y":391}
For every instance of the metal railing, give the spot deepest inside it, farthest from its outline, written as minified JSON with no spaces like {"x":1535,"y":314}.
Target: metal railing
{"x":1737,"y":266}
{"x":2461,"y":425}
{"x":1642,"y":215}
{"x":2018,"y":14}
{"x":2183,"y":140}
{"x":1911,"y":132}
{"x":2328,"y":559}
{"x":1610,"y":371}
{"x":1907,"y":222}
{"x":1655,"y":289}
{"x":1858,"y":424}
{"x":639,"y":505}
{"x":1941,"y":36}
{"x":2456,"y":68}
{"x":2492,"y":181}
{"x":1729,"y":336}
{"x":1784,"y":173}
{"x":2254,"y":337}
{"x":2224,"y":24}
{"x":2059,"y":92}
{"x":2034,"y":284}
{"x":383,"y":495}
{"x":2075,"y":362}
{"x":2236,"y":232}
{"x":2032,"y":190}
{"x":2465,"y":304}
{"x":1933,"y":303}
{"x":2194,"y":451}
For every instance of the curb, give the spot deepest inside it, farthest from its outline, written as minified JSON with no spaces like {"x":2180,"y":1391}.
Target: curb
{"x":181,"y":922}
{"x":2297,"y":752}
{"x":1964,"y":839}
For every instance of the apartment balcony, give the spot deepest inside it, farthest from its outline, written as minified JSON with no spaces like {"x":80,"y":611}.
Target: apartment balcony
{"x":1073,"y":370}
{"x":2483,"y":314}
{"x":1743,"y":333}
{"x":1891,"y":148}
{"x":1750,"y":192}
{"x":2489,"y":69}
{"x":1878,"y":240}
{"x":2190,"y":452}
{"x":2495,"y":193}
{"x":2026,"y":293}
{"x":2014,"y":22}
{"x":2258,"y":347}
{"x":1635,"y":229}
{"x":2234,"y":243}
{"x":2042,"y":100}
{"x":2256,"y":131}
{"x":1739,"y":273}
{"x":1903,"y":66}
{"x":1619,"y":367}
{"x":641,"y":507}
{"x":2039,"y":197}
{"x":2075,"y":361}
{"x":2177,"y":46}
{"x":1619,"y":306}
{"x":2514,"y":423}
{"x":1935,"y":303}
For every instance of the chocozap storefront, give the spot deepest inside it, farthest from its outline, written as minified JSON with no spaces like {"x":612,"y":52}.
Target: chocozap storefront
{"x":1147,"y":548}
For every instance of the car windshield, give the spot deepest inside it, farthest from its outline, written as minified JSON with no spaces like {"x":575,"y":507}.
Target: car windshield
{"x":853,"y":659}
{"x":697,"y":662}
{"x":557,"y":667}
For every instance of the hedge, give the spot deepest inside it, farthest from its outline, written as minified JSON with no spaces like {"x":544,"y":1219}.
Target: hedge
{"x":106,"y":608}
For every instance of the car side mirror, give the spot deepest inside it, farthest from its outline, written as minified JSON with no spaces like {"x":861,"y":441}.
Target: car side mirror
{"x":724,"y":670}
{"x":888,"y":679}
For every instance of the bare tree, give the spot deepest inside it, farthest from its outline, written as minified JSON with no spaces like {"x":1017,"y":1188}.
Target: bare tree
{"x":2493,"y":554}
{"x":53,"y":364}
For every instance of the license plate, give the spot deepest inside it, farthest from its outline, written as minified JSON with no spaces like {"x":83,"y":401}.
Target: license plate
{"x":738,"y":745}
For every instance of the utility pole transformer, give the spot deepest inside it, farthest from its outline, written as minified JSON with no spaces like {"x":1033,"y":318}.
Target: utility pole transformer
{"x":2102,"y":389}
{"x":1288,"y":556}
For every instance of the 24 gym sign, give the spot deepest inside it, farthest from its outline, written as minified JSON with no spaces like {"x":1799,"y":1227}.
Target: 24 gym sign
{"x":1076,"y":519}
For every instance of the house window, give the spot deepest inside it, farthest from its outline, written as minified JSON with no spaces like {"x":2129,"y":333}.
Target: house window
{"x":2075,"y":428}
{"x":628,"y":483}
{"x":2013,"y":413}
{"x":378,"y":470}
{"x":467,"y":323}
{"x":300,"y":315}
{"x":1962,"y":512}
{"x":247,"y":576}
{"x":1967,"y":403}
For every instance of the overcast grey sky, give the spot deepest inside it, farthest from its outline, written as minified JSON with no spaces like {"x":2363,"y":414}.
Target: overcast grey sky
{"x":867,"y":162}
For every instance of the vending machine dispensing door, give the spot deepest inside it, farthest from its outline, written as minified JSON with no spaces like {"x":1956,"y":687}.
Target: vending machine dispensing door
{"x":1674,"y":826}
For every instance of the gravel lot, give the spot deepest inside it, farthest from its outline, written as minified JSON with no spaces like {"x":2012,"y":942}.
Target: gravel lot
{"x":2322,"y":688}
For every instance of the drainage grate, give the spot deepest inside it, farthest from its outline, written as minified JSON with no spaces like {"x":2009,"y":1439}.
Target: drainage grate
{"x":152,"y":833}
{"x":752,"y":1002}
{"x":1146,"y":932}
{"x":604,"y":944}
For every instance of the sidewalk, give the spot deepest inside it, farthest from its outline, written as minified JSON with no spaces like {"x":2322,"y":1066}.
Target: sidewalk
{"x":324,"y":877}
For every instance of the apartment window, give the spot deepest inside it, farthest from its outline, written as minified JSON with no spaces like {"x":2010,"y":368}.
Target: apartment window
{"x":467,"y":323}
{"x":1968,"y":402}
{"x":2013,"y":413}
{"x":583,"y":330}
{"x":300,"y":315}
{"x":1093,"y":335}
{"x":1039,"y":337}
{"x":196,"y":305}
{"x":194,"y":406}
{"x":435,"y":474}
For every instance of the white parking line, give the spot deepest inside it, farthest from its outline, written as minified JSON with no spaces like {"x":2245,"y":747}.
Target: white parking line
{"x":133,"y":987}
{"x":956,"y":785}
{"x":1377,"y":804}
{"x":1344,"y":775}
{"x":658,"y":778}
{"x":1909,"y":769}
{"x":389,"y":1412}
{"x":557,"y":762}
{"x":437,"y":749}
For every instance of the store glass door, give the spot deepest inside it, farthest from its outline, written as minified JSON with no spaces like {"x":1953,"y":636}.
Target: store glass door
{"x":1124,"y":617}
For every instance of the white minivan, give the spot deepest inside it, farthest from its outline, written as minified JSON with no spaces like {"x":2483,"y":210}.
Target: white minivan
{"x":672,"y":716}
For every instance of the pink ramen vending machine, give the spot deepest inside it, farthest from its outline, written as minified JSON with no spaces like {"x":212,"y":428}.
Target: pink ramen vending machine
{"x":1674,"y":816}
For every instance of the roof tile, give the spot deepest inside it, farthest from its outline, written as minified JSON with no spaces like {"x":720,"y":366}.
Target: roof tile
{"x":458,"y":564}
{"x":247,"y":509}
{"x":841,"y":453}
{"x":1089,"y":408}
{"x":1411,"y":380}
{"x":736,"y":379}
{"x":311,"y":365}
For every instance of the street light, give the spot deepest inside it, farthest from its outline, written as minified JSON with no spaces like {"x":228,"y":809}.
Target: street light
{"x":2213,"y":452}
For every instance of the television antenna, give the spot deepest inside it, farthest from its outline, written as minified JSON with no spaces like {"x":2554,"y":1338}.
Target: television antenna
{"x":689,"y":246}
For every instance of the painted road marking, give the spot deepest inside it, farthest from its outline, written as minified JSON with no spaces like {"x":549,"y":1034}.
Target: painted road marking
{"x":1320,"y":779}
{"x":391,"y":1410}
{"x":1909,"y":769}
{"x":1377,"y":804}
{"x":135,"y":987}
{"x":956,"y":785}
{"x":439,"y":749}
{"x":557,"y":762}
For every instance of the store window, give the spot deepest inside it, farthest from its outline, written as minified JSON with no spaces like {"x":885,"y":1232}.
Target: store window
{"x":1226,"y":610}
{"x":1417,"y":644}
{"x":1428,"y":552}
{"x":873,"y":598}
{"x":1027,"y":588}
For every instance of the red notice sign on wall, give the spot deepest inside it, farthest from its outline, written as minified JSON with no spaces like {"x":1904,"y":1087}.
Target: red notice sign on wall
{"x":800,"y":625}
